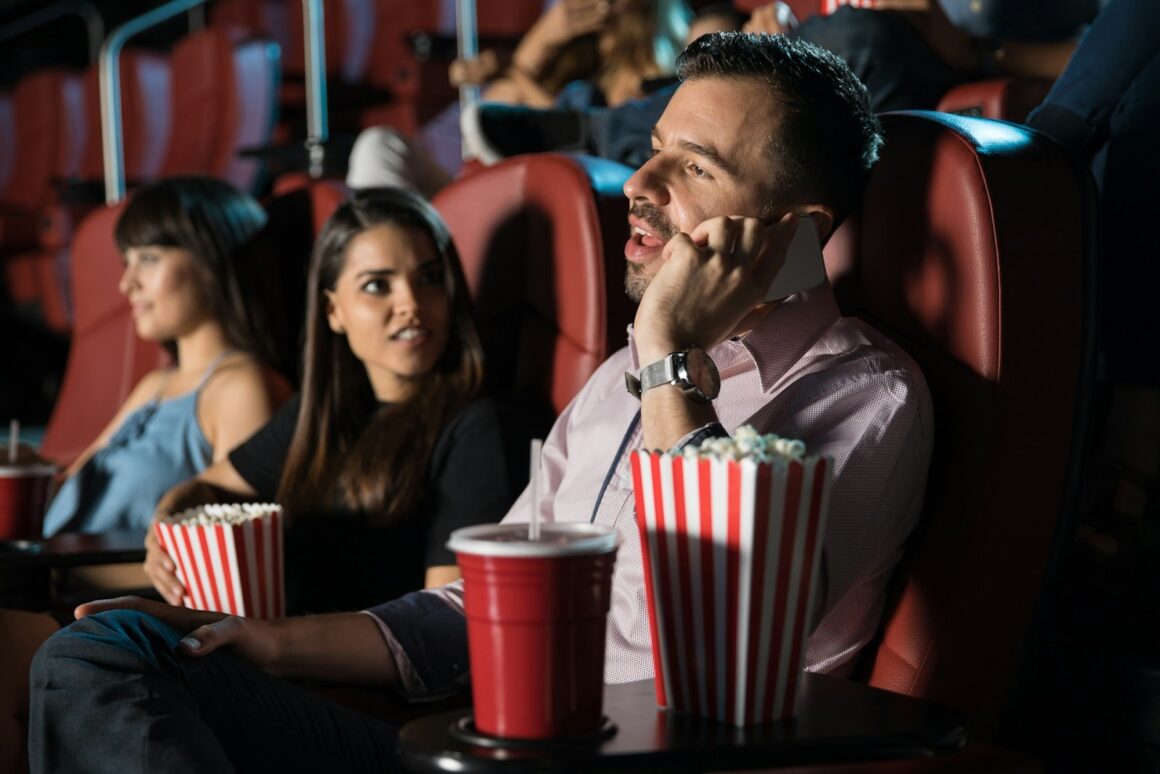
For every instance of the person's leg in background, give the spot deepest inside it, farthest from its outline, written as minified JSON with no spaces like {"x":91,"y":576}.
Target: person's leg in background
{"x":111,"y":693}
{"x":21,"y":633}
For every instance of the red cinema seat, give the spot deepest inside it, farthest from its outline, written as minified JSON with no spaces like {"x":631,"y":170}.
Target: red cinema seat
{"x":106,"y":359}
{"x":263,"y":18}
{"x":145,"y":119}
{"x":542,"y":242}
{"x":48,"y":108}
{"x":1008,"y":99}
{"x":144,"y":87}
{"x":224,"y":101}
{"x":972,"y":250}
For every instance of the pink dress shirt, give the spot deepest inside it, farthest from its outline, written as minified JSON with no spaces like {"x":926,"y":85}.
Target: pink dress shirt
{"x":805,"y":372}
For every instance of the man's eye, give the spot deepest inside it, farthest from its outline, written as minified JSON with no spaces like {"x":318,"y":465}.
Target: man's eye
{"x":697,"y":170}
{"x":652,"y":152}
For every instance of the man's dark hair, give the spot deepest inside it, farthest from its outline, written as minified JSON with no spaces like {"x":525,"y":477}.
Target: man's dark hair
{"x":828,"y":137}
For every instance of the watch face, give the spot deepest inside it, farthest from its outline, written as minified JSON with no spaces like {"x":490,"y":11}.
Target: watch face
{"x":703,"y":372}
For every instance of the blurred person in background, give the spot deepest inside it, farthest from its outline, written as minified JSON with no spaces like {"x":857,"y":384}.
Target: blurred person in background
{"x":909,"y":53}
{"x":579,"y":54}
{"x":192,"y":250}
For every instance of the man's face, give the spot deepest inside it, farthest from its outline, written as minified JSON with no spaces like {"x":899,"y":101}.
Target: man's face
{"x":710,"y":158}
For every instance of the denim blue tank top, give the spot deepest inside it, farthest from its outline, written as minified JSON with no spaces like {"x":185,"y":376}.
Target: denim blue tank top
{"x":157,"y":447}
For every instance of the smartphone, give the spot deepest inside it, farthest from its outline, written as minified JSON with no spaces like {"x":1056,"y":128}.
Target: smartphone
{"x":804,"y":267}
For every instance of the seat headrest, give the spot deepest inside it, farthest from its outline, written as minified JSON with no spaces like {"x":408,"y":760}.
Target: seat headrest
{"x":949,"y":196}
{"x":542,"y":248}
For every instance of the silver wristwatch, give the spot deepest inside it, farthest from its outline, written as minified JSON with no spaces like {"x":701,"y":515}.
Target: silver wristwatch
{"x":692,"y":370}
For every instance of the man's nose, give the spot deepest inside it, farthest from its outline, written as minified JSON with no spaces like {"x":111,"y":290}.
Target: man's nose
{"x":647,"y":183}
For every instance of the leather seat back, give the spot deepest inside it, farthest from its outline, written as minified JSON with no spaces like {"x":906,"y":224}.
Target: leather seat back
{"x":106,"y":358}
{"x":970,"y":250}
{"x":542,"y":244}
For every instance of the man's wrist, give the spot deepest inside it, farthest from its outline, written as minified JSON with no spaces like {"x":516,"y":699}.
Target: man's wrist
{"x":650,"y":350}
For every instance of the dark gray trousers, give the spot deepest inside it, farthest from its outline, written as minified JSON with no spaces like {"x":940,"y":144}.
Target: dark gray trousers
{"x":111,"y":693}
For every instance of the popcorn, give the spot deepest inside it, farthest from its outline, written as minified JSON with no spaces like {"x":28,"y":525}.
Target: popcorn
{"x":228,"y":557}
{"x":232,"y":515}
{"x":748,"y":444}
{"x":731,"y":537}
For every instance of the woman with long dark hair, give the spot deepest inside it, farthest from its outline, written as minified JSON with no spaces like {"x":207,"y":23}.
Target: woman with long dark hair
{"x":388,"y":447}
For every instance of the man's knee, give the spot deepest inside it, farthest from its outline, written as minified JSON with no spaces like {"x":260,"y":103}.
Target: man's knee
{"x":116,"y":639}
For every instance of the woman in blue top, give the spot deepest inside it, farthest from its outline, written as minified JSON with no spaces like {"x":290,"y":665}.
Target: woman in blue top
{"x":189,"y":246}
{"x":193,"y":259}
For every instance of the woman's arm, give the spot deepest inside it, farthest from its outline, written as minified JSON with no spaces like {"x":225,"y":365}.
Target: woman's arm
{"x":234,"y":403}
{"x":440,"y":575}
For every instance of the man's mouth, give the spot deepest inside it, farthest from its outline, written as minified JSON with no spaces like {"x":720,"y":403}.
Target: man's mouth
{"x":648,"y":222}
{"x":646,"y":239}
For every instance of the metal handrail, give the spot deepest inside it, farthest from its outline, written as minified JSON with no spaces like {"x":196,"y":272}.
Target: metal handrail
{"x":317,"y":128}
{"x":85,"y":10}
{"x":112,"y":148}
{"x":467,"y":37}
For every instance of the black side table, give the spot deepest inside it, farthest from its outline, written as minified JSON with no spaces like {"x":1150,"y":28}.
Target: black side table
{"x":838,"y":722}
{"x":33,"y":572}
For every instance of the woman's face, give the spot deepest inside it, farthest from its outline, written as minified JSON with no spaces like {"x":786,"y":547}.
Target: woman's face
{"x":390,"y":301}
{"x":164,"y":291}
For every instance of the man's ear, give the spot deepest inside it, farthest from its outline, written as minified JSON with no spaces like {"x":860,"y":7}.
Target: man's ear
{"x":333,"y":316}
{"x":823,"y":218}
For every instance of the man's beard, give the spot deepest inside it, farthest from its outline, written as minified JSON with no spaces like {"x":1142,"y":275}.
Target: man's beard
{"x":635,"y":283}
{"x":635,"y":280}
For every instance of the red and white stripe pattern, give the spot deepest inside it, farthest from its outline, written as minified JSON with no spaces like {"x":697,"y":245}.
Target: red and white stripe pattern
{"x":229,"y":568}
{"x":829,"y":6}
{"x":731,"y":553}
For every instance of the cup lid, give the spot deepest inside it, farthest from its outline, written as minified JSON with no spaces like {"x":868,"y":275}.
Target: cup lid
{"x":556,"y":539}
{"x":27,"y":470}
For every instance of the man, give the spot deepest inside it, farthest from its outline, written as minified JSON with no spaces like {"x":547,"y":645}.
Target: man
{"x":763,"y":130}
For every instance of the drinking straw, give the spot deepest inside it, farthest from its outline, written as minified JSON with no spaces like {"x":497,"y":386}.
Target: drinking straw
{"x":534,"y":521}
{"x":13,"y":439}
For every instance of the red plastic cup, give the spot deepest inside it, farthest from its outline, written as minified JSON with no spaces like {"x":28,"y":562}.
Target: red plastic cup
{"x":537,"y":612}
{"x":23,"y":493}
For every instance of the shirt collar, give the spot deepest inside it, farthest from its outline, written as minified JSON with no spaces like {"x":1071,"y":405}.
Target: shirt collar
{"x":779,"y":340}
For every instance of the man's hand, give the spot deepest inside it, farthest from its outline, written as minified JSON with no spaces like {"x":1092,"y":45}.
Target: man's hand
{"x":771,"y":19}
{"x":253,"y":640}
{"x":474,"y":72}
{"x":710,"y":281}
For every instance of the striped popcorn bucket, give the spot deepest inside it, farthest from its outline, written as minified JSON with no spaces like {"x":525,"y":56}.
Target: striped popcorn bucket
{"x":731,"y":553}
{"x":233,"y":568}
